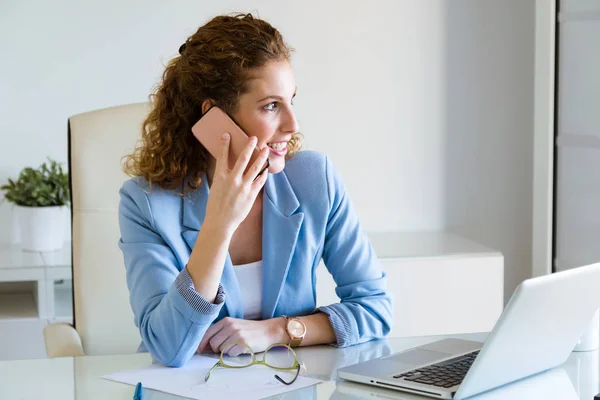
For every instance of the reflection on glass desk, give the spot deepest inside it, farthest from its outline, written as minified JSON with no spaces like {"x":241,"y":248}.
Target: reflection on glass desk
{"x":553,"y":384}
{"x":80,"y":378}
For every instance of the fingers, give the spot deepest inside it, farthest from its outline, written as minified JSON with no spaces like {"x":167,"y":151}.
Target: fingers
{"x":259,"y":182}
{"x":223,"y":160}
{"x":258,"y":165}
{"x":244,"y":157}
{"x":210,"y":333}
{"x":217,"y":342}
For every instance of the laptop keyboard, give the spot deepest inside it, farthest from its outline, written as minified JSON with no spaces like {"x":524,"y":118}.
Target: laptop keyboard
{"x":444,"y":374}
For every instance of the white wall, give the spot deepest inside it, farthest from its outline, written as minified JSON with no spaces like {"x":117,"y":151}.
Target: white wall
{"x":419,"y":104}
{"x":489,"y":127}
{"x":369,"y":78}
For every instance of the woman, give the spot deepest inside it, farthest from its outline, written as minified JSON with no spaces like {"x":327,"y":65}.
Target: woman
{"x":214,"y":256}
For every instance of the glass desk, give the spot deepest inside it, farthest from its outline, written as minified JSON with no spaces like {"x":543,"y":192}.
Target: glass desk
{"x":79,"y":378}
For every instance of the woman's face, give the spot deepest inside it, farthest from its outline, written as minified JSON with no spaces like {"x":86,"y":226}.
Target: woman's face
{"x":266,"y":111}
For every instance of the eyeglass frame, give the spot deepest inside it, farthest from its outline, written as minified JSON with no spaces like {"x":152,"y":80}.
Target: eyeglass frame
{"x":221,"y":363}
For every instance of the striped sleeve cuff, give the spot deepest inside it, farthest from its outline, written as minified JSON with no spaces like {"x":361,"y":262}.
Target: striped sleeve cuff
{"x":340,"y":324}
{"x":185,"y":287}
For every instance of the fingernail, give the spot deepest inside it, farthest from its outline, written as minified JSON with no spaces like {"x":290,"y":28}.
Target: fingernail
{"x":226,"y":136}
{"x":253,"y":139}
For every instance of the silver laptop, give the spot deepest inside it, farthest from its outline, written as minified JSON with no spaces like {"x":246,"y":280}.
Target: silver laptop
{"x":537,"y":331}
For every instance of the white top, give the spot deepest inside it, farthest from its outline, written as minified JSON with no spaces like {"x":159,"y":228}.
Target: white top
{"x":249,"y":277}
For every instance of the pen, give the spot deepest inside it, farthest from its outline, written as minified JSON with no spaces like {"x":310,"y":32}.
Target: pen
{"x":137,"y":395}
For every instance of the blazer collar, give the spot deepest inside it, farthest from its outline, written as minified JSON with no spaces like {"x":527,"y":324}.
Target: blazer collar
{"x":280,"y":232}
{"x":278,"y":190}
{"x":194,"y":206}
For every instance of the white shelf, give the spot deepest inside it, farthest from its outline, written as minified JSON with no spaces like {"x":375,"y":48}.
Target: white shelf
{"x":44,"y":268}
{"x":11,"y":256}
{"x":58,"y":258}
{"x":425,"y":245}
{"x":17,"y":306}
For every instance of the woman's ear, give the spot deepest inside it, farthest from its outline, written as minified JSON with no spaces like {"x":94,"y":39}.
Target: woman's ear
{"x":206,"y":105}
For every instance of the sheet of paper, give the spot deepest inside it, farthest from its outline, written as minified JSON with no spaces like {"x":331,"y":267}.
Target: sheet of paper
{"x":255,"y":382}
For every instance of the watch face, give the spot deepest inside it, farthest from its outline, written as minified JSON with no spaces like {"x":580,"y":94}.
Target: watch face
{"x":296,"y":328}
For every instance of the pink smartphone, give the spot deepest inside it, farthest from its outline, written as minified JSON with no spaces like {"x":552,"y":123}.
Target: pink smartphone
{"x":209,"y":129}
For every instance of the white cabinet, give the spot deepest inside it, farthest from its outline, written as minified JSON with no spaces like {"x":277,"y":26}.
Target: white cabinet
{"x":441,"y":283}
{"x":45,"y":269}
{"x":578,"y":135}
{"x":23,"y":314}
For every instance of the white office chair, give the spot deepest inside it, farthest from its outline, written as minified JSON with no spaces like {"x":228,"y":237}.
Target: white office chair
{"x":103,"y":320}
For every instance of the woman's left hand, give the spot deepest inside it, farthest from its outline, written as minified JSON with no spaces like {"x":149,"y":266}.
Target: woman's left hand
{"x":258,"y":335}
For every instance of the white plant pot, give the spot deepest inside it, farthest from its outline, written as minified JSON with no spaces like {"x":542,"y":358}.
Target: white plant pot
{"x":41,"y":228}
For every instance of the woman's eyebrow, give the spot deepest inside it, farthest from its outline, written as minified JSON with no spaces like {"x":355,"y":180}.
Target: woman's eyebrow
{"x":276,"y":97}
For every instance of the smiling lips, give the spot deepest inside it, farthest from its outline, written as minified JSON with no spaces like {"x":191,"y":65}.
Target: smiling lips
{"x":278,"y":148}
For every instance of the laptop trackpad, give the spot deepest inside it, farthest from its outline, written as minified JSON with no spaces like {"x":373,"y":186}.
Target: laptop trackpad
{"x":417,"y":357}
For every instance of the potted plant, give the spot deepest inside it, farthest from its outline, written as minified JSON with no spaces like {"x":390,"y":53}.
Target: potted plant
{"x":41,"y":197}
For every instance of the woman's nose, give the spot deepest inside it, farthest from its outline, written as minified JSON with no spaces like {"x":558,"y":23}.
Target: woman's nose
{"x":290,"y":124}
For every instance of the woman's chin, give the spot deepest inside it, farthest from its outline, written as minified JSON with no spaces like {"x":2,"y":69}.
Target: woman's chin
{"x":276,"y":166}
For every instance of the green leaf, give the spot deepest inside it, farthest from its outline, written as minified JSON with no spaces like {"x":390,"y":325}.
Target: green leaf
{"x":45,"y":186}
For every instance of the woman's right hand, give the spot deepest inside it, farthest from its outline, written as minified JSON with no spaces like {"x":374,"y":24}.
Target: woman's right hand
{"x":232,"y":192}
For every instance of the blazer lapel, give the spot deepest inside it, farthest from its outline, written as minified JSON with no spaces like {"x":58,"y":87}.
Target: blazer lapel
{"x":280,"y":233}
{"x":194,"y":211}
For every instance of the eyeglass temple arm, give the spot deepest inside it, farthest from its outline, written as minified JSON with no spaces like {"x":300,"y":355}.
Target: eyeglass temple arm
{"x":211,"y":370}
{"x":293,"y":380}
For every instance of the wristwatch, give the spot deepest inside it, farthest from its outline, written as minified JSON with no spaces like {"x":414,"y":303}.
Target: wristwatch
{"x":296,"y":329}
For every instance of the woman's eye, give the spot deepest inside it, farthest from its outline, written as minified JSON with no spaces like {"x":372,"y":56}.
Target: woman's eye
{"x":271,"y":106}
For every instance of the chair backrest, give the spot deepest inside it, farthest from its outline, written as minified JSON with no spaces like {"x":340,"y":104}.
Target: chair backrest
{"x":97,"y":142}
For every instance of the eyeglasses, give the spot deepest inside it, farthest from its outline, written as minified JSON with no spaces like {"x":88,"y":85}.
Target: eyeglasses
{"x":277,"y":356}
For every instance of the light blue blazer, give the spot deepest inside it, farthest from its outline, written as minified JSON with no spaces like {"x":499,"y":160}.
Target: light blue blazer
{"x":307,"y":216}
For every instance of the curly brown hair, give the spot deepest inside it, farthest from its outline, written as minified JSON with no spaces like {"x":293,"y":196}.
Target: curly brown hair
{"x":215,"y":63}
